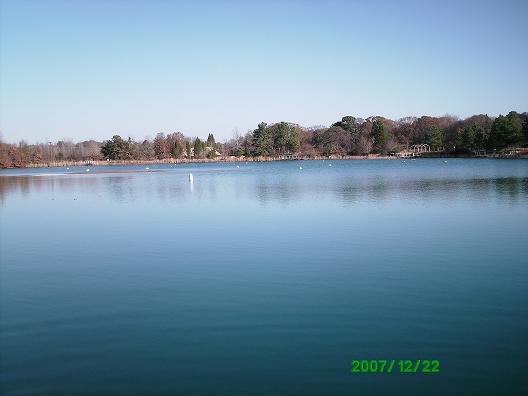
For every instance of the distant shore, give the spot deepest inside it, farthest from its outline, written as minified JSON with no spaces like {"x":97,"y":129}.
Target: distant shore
{"x":221,"y":159}
{"x":194,"y":160}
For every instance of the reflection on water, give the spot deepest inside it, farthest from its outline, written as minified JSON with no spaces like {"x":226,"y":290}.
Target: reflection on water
{"x":264,"y":279}
{"x":348,"y":190}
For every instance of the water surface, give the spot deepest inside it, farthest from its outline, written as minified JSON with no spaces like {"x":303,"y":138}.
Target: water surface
{"x":264,"y":278}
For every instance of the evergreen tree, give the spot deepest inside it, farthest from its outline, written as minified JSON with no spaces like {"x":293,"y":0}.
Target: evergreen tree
{"x":348,"y":123}
{"x":199,"y":147}
{"x":433,"y":137}
{"x":292,"y":140}
{"x":284,"y":137}
{"x":480,"y":140}
{"x":211,"y":154}
{"x":472,"y":138}
{"x":116,"y":149}
{"x":177,"y":149}
{"x":506,"y":131}
{"x":379,"y":133}
{"x":262,"y":140}
{"x":211,"y":141}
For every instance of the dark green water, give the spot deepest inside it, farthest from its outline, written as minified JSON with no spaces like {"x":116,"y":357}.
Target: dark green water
{"x":265,"y":279}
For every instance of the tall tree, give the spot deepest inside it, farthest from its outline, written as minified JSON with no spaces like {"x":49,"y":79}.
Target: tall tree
{"x":199,"y":147}
{"x":160,"y":146}
{"x":472,"y":138}
{"x":116,"y":149}
{"x":433,"y":137}
{"x":284,"y":137}
{"x":262,"y":140}
{"x":177,"y":149}
{"x":211,"y":141}
{"x":380,"y":135}
{"x":506,"y":131}
{"x":348,"y":123}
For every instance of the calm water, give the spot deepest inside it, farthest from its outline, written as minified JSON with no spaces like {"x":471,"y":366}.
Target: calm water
{"x":265,"y":279}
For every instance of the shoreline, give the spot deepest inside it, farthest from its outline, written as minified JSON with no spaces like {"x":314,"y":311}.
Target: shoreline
{"x":233,"y":159}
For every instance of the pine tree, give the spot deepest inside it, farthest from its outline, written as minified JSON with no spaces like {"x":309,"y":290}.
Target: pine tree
{"x":380,"y":135}
{"x":506,"y":131}
{"x":262,"y":140}
{"x":211,"y":141}
{"x":433,"y":137}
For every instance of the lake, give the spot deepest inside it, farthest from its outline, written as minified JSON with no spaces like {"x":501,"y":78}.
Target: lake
{"x":264,"y":278}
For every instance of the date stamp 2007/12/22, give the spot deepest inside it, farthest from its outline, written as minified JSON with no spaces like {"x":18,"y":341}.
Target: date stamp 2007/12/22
{"x":391,"y":366}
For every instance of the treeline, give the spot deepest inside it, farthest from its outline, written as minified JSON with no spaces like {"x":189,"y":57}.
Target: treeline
{"x":173,"y":145}
{"x":349,"y":136}
{"x":357,"y":136}
{"x":23,"y":154}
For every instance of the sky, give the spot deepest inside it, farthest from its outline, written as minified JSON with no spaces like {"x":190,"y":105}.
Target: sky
{"x":91,"y":69}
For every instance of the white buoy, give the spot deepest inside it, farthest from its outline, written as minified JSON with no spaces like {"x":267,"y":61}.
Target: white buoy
{"x":329,"y":164}
{"x":445,"y":162}
{"x":88,"y":170}
{"x":147,"y":168}
{"x":300,"y":167}
{"x":238,"y":166}
{"x":68,"y":168}
{"x":191,"y":178}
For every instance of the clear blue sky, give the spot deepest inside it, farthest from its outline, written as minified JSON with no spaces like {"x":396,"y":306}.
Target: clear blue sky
{"x":90,"y":69}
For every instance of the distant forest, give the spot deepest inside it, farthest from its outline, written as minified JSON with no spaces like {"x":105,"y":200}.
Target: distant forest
{"x":349,"y":136}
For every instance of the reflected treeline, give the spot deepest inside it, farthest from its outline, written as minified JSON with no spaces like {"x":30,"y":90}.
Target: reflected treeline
{"x":510,"y":189}
{"x":350,"y":191}
{"x":284,"y":190}
{"x":122,"y":188}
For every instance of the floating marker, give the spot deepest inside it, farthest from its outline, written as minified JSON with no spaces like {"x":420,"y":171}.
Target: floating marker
{"x":147,"y":168}
{"x":88,"y":170}
{"x":191,"y":178}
